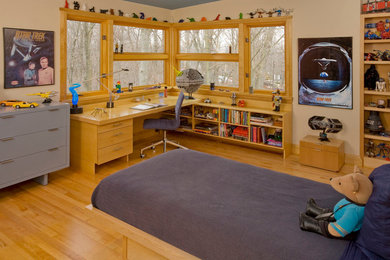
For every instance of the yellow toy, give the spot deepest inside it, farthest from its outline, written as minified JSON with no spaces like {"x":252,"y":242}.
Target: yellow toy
{"x":46,"y":95}
{"x":25,"y":105}
{"x":9,"y":103}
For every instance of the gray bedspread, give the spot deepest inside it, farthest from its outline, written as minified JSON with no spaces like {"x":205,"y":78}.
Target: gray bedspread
{"x":216,"y":208}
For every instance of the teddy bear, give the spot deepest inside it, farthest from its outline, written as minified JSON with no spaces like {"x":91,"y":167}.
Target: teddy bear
{"x":346,"y":218}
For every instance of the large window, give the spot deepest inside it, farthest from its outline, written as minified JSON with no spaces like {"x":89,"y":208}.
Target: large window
{"x":83,"y":55}
{"x":267,"y":58}
{"x":139,"y":73}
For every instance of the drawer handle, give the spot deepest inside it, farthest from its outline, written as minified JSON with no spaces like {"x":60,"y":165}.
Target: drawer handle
{"x":53,"y":129}
{"x":117,"y":149}
{"x":118,"y":134}
{"x":7,"y":161}
{"x":53,"y":149}
{"x":7,"y":139}
{"x":6,"y":117}
{"x":53,"y":109}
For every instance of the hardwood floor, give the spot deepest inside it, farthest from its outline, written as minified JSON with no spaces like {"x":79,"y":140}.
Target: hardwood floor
{"x":51,"y":222}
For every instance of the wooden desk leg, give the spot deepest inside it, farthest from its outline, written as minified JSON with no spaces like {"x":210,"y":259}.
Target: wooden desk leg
{"x":82,"y":166}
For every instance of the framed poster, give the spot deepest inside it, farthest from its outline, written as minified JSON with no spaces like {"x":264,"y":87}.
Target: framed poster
{"x":28,"y":58}
{"x":325,"y":72}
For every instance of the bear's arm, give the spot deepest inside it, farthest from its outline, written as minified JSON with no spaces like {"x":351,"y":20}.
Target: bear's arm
{"x":345,"y":225}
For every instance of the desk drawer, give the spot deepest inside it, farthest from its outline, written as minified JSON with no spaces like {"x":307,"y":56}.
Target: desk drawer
{"x":20,"y":124}
{"x":18,"y":146}
{"x":322,"y":159}
{"x":112,"y":126}
{"x":114,"y":136}
{"x":115,"y":151}
{"x":24,"y":168}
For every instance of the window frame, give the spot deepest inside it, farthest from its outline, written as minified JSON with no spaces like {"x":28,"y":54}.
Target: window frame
{"x":107,"y":55}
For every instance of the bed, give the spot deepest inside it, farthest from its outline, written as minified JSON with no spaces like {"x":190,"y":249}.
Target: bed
{"x":185,"y":204}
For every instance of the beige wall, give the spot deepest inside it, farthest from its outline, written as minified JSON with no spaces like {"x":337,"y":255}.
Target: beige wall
{"x":44,"y":15}
{"x":311,"y":18}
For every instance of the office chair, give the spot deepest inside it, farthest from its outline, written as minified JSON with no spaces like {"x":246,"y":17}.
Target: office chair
{"x":165,"y":124}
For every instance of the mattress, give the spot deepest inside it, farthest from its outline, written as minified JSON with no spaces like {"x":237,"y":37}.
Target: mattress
{"x":215,"y":208}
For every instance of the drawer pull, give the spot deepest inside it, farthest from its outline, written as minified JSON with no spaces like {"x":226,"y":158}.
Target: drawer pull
{"x":53,"y":149}
{"x":118,"y":134}
{"x":53,"y":129}
{"x":7,"y":139}
{"x":6,"y":117}
{"x":117,"y":149}
{"x":117,"y":124}
{"x":53,"y":109}
{"x":7,"y":161}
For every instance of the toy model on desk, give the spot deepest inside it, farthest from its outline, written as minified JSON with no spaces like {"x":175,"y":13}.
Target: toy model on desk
{"x":75,"y":109}
{"x":9,"y":103}
{"x":25,"y":105}
{"x":327,"y":125}
{"x":190,"y":80}
{"x":46,"y":95}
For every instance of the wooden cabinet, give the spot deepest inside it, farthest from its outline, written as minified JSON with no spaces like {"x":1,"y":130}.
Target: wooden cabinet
{"x":369,"y":98}
{"x":33,"y":142}
{"x":326,"y":155}
{"x":93,"y":145}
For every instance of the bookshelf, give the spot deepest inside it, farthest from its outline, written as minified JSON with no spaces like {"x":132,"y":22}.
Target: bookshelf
{"x":263,"y":129}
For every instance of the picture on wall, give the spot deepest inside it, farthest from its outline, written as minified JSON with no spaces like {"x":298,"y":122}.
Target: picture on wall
{"x":28,"y":58}
{"x":325,"y":72}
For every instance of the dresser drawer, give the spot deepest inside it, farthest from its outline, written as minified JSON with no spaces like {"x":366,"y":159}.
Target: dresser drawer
{"x":21,"y":145}
{"x":114,"y":136}
{"x":112,"y":126}
{"x":27,"y":167}
{"x":20,"y":124}
{"x":115,"y":151}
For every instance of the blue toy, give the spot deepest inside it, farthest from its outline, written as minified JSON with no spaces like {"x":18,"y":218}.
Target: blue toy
{"x":75,"y":109}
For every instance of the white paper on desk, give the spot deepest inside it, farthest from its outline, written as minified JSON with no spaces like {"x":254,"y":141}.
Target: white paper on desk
{"x":142,"y":107}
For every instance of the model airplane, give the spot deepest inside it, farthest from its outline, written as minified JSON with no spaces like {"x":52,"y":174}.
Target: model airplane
{"x":46,"y":95}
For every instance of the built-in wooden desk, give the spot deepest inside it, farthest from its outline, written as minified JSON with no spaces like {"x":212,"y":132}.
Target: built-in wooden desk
{"x":98,"y":137}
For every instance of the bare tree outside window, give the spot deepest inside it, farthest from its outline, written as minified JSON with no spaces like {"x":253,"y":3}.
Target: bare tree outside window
{"x":83,"y":54}
{"x":136,"y":39}
{"x":268,"y":58}
{"x":209,"y":41}
{"x":221,"y":73}
{"x":140,"y":72}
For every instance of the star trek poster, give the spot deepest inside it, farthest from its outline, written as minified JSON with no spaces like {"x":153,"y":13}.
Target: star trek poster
{"x":325,"y":72}
{"x":28,"y":58}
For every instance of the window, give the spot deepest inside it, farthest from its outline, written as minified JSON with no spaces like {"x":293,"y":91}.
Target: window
{"x":83,"y":54}
{"x":209,"y":41}
{"x":140,"y":72}
{"x":267,"y":58}
{"x":213,"y":52}
{"x":135,"y":39}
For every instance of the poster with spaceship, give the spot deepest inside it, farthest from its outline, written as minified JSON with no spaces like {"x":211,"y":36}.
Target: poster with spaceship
{"x":28,"y":58}
{"x":325,"y":72}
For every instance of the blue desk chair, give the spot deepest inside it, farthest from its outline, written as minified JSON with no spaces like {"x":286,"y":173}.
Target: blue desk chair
{"x":165,"y":124}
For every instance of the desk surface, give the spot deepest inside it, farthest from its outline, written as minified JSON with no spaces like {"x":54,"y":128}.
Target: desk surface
{"x":122,"y":110}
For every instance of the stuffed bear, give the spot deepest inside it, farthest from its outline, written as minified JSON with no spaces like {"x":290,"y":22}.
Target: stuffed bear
{"x":347,"y":216}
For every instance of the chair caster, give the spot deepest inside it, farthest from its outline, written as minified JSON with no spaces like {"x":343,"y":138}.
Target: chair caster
{"x":142,"y":155}
{"x":153,"y":147}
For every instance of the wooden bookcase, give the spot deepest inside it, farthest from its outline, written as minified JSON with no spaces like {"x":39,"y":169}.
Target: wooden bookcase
{"x":238,"y":124}
{"x":367,"y":96}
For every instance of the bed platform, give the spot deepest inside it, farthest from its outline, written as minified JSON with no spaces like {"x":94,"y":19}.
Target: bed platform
{"x":185,"y":204}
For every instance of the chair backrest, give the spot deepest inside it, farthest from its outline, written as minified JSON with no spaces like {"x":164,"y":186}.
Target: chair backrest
{"x":178,"y":107}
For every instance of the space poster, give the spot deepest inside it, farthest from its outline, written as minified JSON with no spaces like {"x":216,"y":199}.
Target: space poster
{"x":325,"y":72}
{"x":28,"y":58}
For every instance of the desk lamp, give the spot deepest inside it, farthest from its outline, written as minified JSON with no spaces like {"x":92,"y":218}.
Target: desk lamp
{"x":327,"y":125}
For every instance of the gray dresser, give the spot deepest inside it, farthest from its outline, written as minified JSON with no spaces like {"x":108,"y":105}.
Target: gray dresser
{"x":33,"y":142}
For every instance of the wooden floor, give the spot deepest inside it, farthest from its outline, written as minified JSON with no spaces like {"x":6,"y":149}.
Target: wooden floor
{"x":51,"y":222}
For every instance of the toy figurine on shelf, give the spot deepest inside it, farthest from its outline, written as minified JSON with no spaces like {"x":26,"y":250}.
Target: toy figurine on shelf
{"x":120,"y":13}
{"x":370,"y":151}
{"x":252,"y":14}
{"x":380,"y":85}
{"x":112,"y":11}
{"x":371,"y":77}
{"x":234,"y":96}
{"x":118,"y":87}
{"x":135,"y":15}
{"x":148,"y":19}
{"x":181,"y":21}
{"x":142,"y":15}
{"x":116,"y":47}
{"x":241,"y":103}
{"x":191,"y":19}
{"x":277,"y":99}
{"x":103,"y":11}
{"x":227,"y":18}
{"x":66,"y":4}
{"x":155,"y":19}
{"x":240,"y":16}
{"x":278,"y":11}
{"x":121,"y":48}
{"x":46,"y":95}
{"x":76,"y":5}
{"x":383,"y":150}
{"x":130,"y":87}
{"x":260,"y":12}
{"x":270,"y":13}
{"x":204,"y":19}
{"x":92,"y":10}
{"x":217,"y":18}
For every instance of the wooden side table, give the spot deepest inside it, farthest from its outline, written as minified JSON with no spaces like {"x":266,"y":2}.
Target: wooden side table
{"x":325,"y":155}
